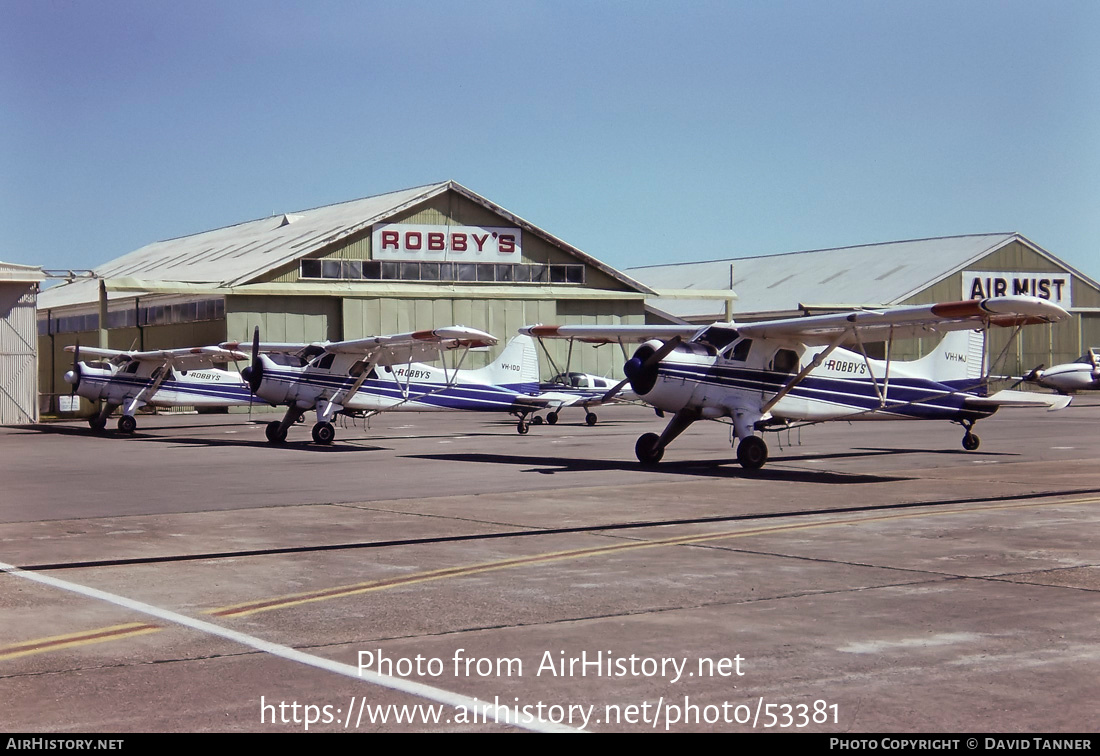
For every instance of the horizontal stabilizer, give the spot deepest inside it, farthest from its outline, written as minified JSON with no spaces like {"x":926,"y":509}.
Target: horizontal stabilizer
{"x":1009,"y":398}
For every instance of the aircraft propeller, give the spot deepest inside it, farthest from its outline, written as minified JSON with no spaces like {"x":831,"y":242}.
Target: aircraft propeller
{"x":641,"y":369}
{"x":254,"y":373}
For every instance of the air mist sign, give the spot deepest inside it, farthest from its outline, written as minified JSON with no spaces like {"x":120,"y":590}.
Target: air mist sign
{"x":1055,"y":287}
{"x":406,"y":242}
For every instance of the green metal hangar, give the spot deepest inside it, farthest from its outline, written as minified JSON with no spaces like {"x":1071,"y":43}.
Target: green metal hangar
{"x":899,"y":273}
{"x":413,"y":259}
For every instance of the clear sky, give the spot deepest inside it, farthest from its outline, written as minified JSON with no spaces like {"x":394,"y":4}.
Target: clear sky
{"x":640,"y":132}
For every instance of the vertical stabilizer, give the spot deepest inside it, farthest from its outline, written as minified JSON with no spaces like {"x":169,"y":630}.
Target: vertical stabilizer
{"x":516,"y":368}
{"x":958,"y":357}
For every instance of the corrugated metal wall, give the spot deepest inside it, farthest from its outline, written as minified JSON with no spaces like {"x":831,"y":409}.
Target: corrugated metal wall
{"x":18,"y":354}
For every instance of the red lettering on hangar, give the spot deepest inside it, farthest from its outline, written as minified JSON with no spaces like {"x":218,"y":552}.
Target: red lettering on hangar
{"x":437,"y":242}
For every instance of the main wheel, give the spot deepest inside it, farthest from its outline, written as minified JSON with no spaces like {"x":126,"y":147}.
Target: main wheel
{"x":522,"y":427}
{"x":273,"y":434}
{"x":590,"y":418}
{"x":323,"y":433}
{"x":971,"y":441}
{"x":536,"y":420}
{"x":752,"y":452}
{"x":97,"y":423}
{"x":552,"y":417}
{"x":127,"y":424}
{"x":648,"y":449}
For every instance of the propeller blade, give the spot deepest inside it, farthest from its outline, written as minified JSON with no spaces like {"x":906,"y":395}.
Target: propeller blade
{"x":614,"y":390}
{"x":254,"y":373}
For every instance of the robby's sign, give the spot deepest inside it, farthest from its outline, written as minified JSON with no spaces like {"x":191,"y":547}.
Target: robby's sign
{"x":1051,"y":286}
{"x":400,"y":241}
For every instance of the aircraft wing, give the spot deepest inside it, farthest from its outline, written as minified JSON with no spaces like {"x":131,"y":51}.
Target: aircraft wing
{"x":177,"y":357}
{"x":909,"y":321}
{"x":415,"y":346}
{"x":611,"y":333}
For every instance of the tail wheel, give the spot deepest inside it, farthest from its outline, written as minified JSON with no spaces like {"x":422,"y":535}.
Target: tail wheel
{"x":752,"y":452}
{"x":324,"y":433}
{"x":971,"y":441}
{"x":127,"y":424}
{"x":648,"y":449}
{"x":590,"y":418}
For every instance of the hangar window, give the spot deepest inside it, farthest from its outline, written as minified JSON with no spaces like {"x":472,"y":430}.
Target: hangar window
{"x":376,"y":270}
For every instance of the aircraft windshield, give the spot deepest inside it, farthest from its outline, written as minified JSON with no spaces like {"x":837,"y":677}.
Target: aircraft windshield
{"x":717,"y":337}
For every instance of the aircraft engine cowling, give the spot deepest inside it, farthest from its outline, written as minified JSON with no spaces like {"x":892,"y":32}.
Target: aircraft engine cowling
{"x":261,"y":379}
{"x":642,"y":370}
{"x":88,"y":382}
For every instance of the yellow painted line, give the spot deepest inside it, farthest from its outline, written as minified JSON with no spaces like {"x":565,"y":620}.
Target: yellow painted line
{"x":87,"y":637}
{"x":298,"y":599}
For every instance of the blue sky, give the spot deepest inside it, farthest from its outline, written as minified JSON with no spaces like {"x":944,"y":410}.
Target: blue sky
{"x":641,"y":132}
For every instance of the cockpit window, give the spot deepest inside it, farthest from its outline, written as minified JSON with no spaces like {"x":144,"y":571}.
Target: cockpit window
{"x":357,"y":369}
{"x":741,"y":351}
{"x":785,"y":361}
{"x":324,"y":362}
{"x":132,"y":367}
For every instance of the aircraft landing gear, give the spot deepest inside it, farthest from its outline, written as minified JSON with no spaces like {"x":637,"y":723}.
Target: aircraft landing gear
{"x":522,"y":426}
{"x":97,"y":423}
{"x":648,"y":450}
{"x":324,"y":433}
{"x":590,"y":418}
{"x":127,"y":424}
{"x":970,"y":439}
{"x":752,"y":452}
{"x":275,"y":433}
{"x":551,"y":417}
{"x":650,"y":447}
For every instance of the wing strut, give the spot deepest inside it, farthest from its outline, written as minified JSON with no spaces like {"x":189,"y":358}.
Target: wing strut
{"x":813,"y":364}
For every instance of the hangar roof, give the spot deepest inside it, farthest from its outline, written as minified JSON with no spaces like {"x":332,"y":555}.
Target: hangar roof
{"x":240,"y":254}
{"x":868,"y":274}
{"x":16,"y":273}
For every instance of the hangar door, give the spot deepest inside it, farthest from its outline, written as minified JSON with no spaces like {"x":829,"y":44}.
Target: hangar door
{"x":18,"y":355}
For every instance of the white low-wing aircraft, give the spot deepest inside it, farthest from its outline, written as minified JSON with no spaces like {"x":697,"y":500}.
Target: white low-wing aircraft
{"x":768,"y":375}
{"x":162,"y":378}
{"x":582,"y":390}
{"x":1083,"y":374}
{"x":379,"y":374}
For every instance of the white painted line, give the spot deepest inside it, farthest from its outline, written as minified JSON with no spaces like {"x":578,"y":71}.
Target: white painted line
{"x":515,"y":718}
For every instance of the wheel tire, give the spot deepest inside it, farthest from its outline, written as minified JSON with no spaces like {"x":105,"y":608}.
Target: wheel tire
{"x":590,"y":418}
{"x":522,"y":428}
{"x":536,"y":420}
{"x":97,"y":424}
{"x":752,"y":452}
{"x":971,"y":441}
{"x":127,"y":424}
{"x":552,"y":418}
{"x":324,"y":433}
{"x":648,"y":449}
{"x":273,"y":434}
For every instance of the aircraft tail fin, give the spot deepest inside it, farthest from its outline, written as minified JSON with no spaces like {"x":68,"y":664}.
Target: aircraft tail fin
{"x":959,"y":356}
{"x":516,"y":368}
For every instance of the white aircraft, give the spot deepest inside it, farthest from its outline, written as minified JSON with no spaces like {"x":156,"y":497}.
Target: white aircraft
{"x":378,"y":374}
{"x":162,"y":378}
{"x":1080,"y":375}
{"x":769,"y":375}
{"x":573,"y":389}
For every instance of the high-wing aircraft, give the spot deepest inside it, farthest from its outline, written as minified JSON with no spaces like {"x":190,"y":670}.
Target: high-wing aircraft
{"x":163,"y":378}
{"x":769,"y":375}
{"x":379,"y":374}
{"x":1080,"y":375}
